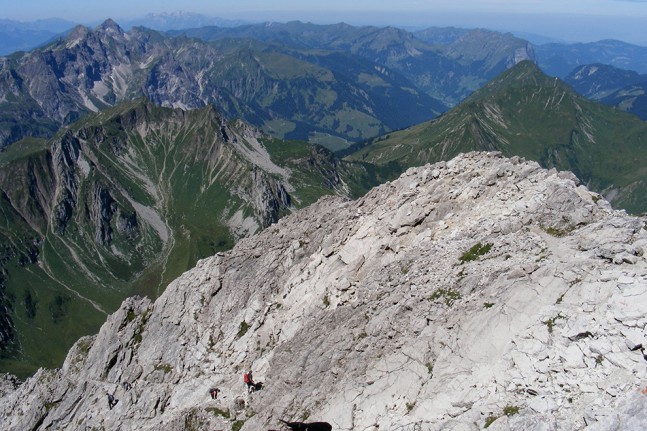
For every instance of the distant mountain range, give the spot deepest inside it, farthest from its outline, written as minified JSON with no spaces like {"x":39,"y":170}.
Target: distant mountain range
{"x":328,"y":84}
{"x":23,"y":36}
{"x":178,"y":20}
{"x":526,"y":113}
{"x":332,"y":85}
{"x":328,"y":97}
{"x":557,"y":59}
{"x":447,"y":71}
{"x":624,"y":89}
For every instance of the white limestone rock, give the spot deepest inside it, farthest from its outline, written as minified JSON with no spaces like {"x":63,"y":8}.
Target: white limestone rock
{"x":374,"y":315}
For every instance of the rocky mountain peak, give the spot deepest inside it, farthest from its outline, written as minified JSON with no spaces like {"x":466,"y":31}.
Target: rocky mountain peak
{"x":483,"y":291}
{"x":77,"y":34}
{"x":111,"y":27}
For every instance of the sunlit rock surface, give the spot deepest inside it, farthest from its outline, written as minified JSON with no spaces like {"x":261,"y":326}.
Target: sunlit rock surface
{"x":482,"y":291}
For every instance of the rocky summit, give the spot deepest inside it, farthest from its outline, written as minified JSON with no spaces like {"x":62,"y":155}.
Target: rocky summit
{"x":479,"y":292}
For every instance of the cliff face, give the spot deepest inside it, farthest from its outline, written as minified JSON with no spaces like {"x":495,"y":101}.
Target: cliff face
{"x":481,"y":291}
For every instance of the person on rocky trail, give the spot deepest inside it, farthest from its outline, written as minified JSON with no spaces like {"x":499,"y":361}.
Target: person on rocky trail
{"x":111,"y":400}
{"x":248,"y":378}
{"x":125,"y":385}
{"x":214,"y":393}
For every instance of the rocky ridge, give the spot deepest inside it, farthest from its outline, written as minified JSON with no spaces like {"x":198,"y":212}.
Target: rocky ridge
{"x":90,"y":70}
{"x":482,"y":291}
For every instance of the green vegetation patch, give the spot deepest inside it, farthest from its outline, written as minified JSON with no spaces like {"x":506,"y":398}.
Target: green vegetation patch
{"x":430,"y":368}
{"x":490,"y":420}
{"x":556,"y":232}
{"x":236,"y":426}
{"x":49,"y":406}
{"x":449,"y":295}
{"x":242,"y":329}
{"x":140,"y":328}
{"x":550,"y":323}
{"x":84,"y":345}
{"x":410,"y":406}
{"x":218,"y":412}
{"x":475,"y":252}
{"x":167,"y":368}
{"x":130,"y":316}
{"x":510,"y":410}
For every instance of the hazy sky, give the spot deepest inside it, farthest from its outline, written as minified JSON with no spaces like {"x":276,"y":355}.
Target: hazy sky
{"x":565,"y":19}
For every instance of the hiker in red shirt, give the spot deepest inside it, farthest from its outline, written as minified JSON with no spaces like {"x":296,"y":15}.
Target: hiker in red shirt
{"x":248,"y":378}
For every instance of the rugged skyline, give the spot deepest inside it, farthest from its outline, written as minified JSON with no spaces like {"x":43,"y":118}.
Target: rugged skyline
{"x":573,"y":21}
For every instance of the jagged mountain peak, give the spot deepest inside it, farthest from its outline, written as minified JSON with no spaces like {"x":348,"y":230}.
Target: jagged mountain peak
{"x":475,"y":292}
{"x":78,"y":33}
{"x":523,"y":80}
{"x":109,"y":25}
{"x":98,"y":68}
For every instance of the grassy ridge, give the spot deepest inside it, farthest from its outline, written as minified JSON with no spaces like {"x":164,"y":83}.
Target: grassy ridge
{"x":524,"y":112}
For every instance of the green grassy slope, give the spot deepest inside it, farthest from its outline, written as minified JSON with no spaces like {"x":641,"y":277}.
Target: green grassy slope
{"x":124,"y":201}
{"x":324,"y":97}
{"x":524,"y":112}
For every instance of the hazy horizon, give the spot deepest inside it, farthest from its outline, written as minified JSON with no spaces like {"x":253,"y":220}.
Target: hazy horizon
{"x":568,"y":21}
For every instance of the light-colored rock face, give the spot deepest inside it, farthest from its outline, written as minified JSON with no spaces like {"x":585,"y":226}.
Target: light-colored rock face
{"x":481,"y":291}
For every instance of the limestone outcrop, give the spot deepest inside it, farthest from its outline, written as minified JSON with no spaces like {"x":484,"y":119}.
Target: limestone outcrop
{"x":479,"y":292}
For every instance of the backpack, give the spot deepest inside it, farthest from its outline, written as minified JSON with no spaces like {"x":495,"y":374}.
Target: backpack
{"x":246,"y":378}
